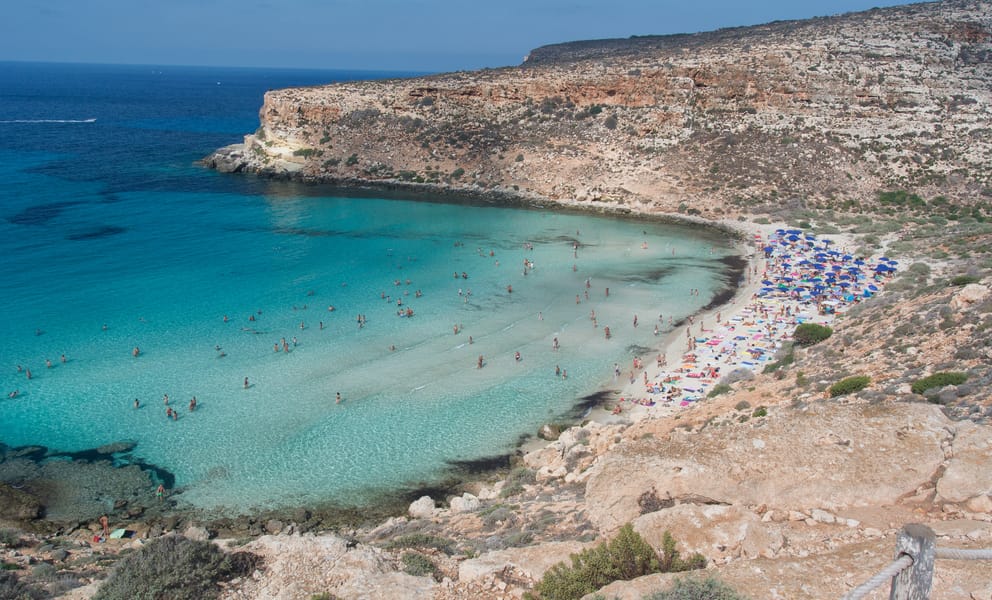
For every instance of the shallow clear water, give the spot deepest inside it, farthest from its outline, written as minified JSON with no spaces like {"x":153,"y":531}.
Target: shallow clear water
{"x":113,"y":239}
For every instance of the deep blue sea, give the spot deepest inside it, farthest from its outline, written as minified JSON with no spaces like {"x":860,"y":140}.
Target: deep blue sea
{"x":113,"y":239}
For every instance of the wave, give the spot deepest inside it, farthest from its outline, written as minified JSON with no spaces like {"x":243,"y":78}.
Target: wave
{"x":49,"y":121}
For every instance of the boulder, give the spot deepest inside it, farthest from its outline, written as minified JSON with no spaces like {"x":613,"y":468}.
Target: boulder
{"x":273,"y":526}
{"x":715,"y":531}
{"x":465,"y":503}
{"x":196,"y":533}
{"x":968,"y":475}
{"x":531,"y":561}
{"x":422,"y":508}
{"x":549,"y":431}
{"x":969,"y":296}
{"x":826,"y":455}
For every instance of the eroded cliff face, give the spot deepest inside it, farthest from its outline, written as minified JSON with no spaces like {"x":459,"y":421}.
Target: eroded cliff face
{"x":819,"y":111}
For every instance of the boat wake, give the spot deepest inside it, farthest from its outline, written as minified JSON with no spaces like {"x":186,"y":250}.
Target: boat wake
{"x":35,"y":121}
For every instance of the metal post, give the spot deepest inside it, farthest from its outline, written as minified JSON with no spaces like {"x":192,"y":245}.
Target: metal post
{"x":914,"y":583}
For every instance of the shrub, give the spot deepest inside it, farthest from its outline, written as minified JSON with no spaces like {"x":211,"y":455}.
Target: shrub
{"x":694,"y":588}
{"x":742,"y":405}
{"x":808,"y":334}
{"x":11,"y":587}
{"x":962,"y":280}
{"x":938,"y":380}
{"x":422,"y":540}
{"x":849,"y":385}
{"x":171,"y":567}
{"x":720,"y":388}
{"x":516,"y":481}
{"x":761,"y":411}
{"x":457,"y":173}
{"x":625,"y":557}
{"x":352,"y":160}
{"x":610,"y":122}
{"x":11,"y":538}
{"x":419,"y":565}
{"x":305,"y":152}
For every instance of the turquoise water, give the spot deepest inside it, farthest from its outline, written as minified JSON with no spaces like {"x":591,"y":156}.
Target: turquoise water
{"x":113,"y":240}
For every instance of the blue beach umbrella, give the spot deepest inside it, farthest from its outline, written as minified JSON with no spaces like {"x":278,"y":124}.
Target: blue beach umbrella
{"x":794,"y":231}
{"x":873,"y":287}
{"x":885,"y":259}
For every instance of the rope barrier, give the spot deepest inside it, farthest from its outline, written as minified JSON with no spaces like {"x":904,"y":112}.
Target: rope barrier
{"x":962,"y":554}
{"x":884,"y":576}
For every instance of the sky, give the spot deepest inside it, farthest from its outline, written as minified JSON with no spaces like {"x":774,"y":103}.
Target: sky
{"x":392,"y":35}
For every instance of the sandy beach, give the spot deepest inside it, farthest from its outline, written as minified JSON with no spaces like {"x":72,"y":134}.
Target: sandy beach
{"x":752,"y":326}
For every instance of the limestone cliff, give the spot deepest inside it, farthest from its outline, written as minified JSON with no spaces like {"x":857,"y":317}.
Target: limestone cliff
{"x":820,"y":112}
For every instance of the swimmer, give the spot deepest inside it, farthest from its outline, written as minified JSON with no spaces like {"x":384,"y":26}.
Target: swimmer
{"x":337,"y":399}
{"x":192,"y":404}
{"x":509,"y":289}
{"x":330,"y":308}
{"x":479,"y":364}
{"x":606,"y":330}
{"x":226,"y":319}
{"x":28,"y":373}
{"x":62,"y":359}
{"x":557,"y":371}
{"x":246,"y":383}
{"x":48,"y":363}
{"x":165,"y":399}
{"x":136,"y":352}
{"x":470,"y":340}
{"x":13,"y":394}
{"x":516,"y":356}
{"x":137,"y":404}
{"x":554,"y":344}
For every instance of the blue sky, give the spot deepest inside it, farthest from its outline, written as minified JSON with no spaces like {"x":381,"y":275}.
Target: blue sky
{"x":421,"y":35}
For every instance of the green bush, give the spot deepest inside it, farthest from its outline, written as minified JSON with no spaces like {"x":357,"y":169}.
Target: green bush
{"x":625,"y":557}
{"x":962,"y":280}
{"x":720,"y":388}
{"x":352,"y":160}
{"x":938,"y":380}
{"x":419,"y":565}
{"x":694,"y":588}
{"x":516,"y":481}
{"x":457,"y":173}
{"x":11,"y":538}
{"x":761,"y":411}
{"x":808,"y":334}
{"x":173,"y":567}
{"x":849,"y":385}
{"x":422,"y":540}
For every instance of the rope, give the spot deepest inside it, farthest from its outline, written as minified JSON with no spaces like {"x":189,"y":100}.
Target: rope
{"x":883,"y":576}
{"x":962,"y":554}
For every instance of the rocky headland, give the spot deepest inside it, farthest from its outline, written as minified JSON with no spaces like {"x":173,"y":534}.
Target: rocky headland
{"x":874,"y":127}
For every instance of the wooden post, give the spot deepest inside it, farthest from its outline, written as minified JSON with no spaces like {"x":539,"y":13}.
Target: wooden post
{"x":914,"y":583}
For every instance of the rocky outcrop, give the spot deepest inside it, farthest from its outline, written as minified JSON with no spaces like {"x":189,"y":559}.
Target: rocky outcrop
{"x":17,"y":505}
{"x":827,"y":457}
{"x":815,"y":110}
{"x":302,"y":566}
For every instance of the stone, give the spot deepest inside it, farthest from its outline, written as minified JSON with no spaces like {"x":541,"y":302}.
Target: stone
{"x":273,"y":526}
{"x":715,"y":531}
{"x":464,"y":503}
{"x":822,"y":516}
{"x":969,"y":296}
{"x":422,"y":508}
{"x":532,"y":561}
{"x":549,"y":431}
{"x":117,"y":447}
{"x":968,"y":475}
{"x":196,"y":533}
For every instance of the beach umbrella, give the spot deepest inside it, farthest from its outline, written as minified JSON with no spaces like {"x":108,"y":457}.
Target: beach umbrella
{"x":766,"y":282}
{"x":828,"y":241}
{"x":793,"y":238}
{"x":844,"y":284}
{"x":873,"y":287}
{"x":885,"y":259}
{"x":893,"y":262}
{"x":794,"y":231}
{"x":780,"y":231}
{"x":859,"y":261}
{"x":846,"y":257}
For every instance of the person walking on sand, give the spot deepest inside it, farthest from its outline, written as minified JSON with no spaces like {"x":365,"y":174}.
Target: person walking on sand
{"x":105,"y":524}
